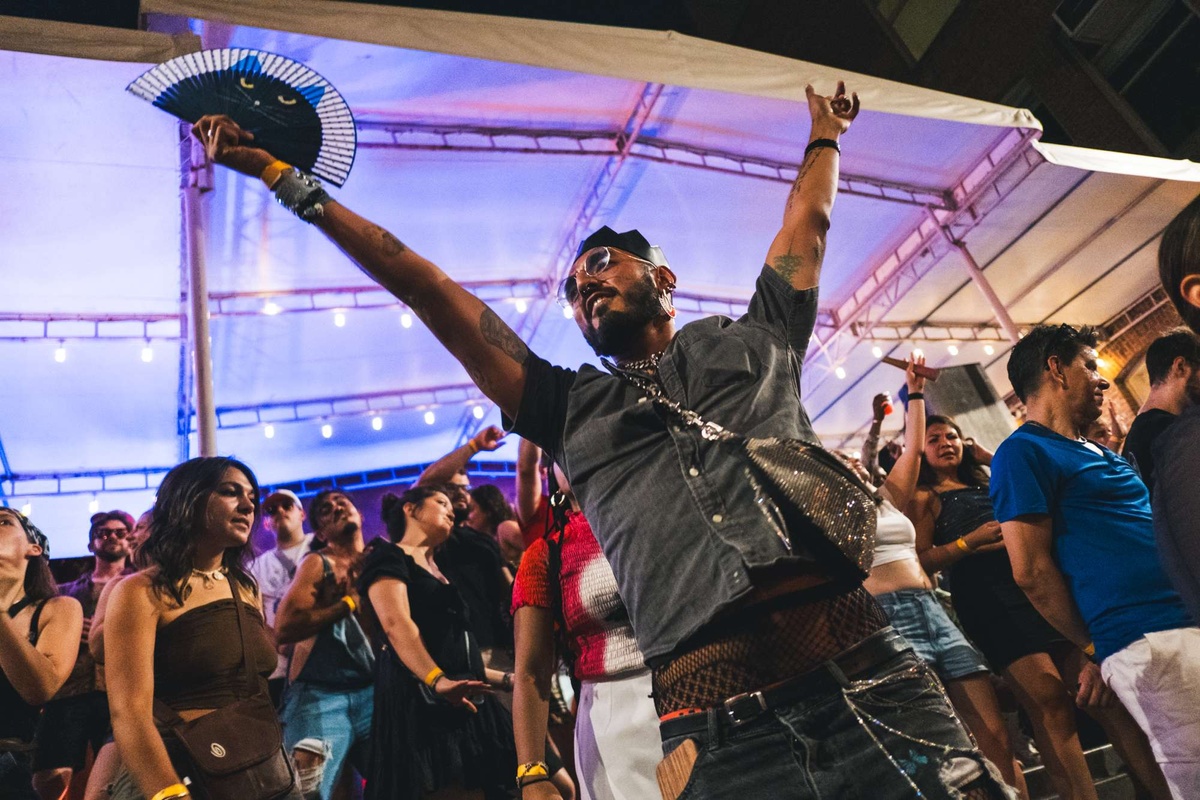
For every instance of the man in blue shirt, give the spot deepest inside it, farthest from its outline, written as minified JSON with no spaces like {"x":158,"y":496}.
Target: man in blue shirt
{"x":1076,"y":521}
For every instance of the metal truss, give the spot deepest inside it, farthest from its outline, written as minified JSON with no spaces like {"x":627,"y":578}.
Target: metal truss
{"x":351,"y":405}
{"x":35,"y":326}
{"x":950,"y":332}
{"x":38,"y":484}
{"x":389,"y":476}
{"x":986,"y":185}
{"x":565,"y":142}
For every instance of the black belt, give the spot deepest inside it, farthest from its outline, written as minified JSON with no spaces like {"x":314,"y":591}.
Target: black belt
{"x":872,"y":651}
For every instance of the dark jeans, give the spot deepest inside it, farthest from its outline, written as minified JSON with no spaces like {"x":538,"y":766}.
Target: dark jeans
{"x":889,"y":735}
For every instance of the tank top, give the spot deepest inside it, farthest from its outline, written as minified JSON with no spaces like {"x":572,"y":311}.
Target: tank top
{"x":18,"y":719}
{"x":964,"y":510}
{"x":341,"y":656}
{"x":895,"y":536}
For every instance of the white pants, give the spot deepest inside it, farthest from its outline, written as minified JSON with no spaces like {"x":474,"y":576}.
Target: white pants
{"x":1158,"y":680}
{"x":617,"y":746}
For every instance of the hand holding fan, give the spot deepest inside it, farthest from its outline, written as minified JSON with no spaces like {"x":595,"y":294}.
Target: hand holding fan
{"x":292,"y":112}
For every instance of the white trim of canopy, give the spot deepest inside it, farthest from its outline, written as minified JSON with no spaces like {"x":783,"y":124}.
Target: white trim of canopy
{"x":1119,"y":163}
{"x":88,"y":41}
{"x":632,"y":54}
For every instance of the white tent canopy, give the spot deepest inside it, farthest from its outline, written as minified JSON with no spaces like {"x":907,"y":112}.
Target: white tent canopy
{"x":491,"y":145}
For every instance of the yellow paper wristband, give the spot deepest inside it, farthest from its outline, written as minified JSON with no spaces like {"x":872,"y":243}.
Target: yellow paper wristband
{"x":272,"y":172}
{"x":172,"y":791}
{"x":962,"y":544}
{"x":532,"y":769}
{"x":432,"y":678}
{"x":349,"y":601}
{"x":1090,"y":649}
{"x":474,"y":447}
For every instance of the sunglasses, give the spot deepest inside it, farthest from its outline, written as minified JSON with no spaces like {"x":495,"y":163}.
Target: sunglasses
{"x":592,"y":262}
{"x":104,"y":533}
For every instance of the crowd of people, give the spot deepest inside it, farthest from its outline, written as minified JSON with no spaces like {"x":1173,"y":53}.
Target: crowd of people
{"x":725,"y":608}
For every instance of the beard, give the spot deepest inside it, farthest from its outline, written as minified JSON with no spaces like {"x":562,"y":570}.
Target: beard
{"x":618,"y":332}
{"x":111,"y":558}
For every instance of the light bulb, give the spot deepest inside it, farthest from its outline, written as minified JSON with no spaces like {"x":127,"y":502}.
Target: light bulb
{"x":917,"y":352}
{"x":60,"y":354}
{"x":27,"y":509}
{"x":522,"y":306}
{"x":327,"y":431}
{"x":147,"y":353}
{"x":877,"y":351}
{"x":430,"y":418}
{"x":93,"y":506}
{"x":269,"y":431}
{"x":477,"y":412}
{"x":841,"y":373}
{"x":987,"y":348}
{"x":339,"y":319}
{"x":377,"y":423}
{"x":952,"y":349}
{"x":1101,"y":363}
{"x":568,"y":313}
{"x":406,"y":320}
{"x":271,"y":308}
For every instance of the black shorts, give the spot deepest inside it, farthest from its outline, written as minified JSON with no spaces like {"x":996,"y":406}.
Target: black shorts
{"x":67,"y":727}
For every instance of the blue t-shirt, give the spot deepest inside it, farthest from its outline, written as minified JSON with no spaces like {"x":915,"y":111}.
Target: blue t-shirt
{"x":1103,"y":536}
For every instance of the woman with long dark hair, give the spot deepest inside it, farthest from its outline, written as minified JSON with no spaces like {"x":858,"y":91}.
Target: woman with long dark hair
{"x":957,"y":534}
{"x":184,"y":628}
{"x":39,"y":640}
{"x":435,"y":731}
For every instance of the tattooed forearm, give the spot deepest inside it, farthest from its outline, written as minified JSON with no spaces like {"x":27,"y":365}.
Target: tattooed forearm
{"x":501,"y":336}
{"x":391,"y":245}
{"x":809,"y":160}
{"x":787,"y":265}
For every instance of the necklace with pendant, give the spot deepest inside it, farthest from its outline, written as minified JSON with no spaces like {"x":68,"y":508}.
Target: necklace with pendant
{"x":211,"y":577}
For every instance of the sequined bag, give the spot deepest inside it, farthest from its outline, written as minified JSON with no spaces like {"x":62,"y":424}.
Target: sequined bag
{"x":813,"y":498}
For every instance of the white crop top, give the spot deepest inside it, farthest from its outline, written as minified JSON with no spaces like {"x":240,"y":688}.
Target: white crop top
{"x":895,"y":537}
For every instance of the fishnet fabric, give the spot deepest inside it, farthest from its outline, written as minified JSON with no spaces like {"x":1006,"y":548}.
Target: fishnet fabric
{"x":768,"y":648}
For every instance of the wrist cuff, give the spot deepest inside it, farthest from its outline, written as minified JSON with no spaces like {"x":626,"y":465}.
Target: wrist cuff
{"x":819,"y":143}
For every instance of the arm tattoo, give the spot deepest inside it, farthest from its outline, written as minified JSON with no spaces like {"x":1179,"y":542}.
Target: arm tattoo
{"x":787,"y":265}
{"x":809,"y":160}
{"x":499,"y":335}
{"x":391,"y":245}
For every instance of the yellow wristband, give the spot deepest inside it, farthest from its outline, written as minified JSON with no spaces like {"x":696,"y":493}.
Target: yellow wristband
{"x":349,"y":601}
{"x":533,"y":768}
{"x":474,"y":447}
{"x":432,"y":678}
{"x":173,"y":791}
{"x":962,"y":544}
{"x":1090,"y":649}
{"x":272,"y":172}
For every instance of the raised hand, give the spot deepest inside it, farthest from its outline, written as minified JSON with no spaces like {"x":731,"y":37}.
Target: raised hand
{"x":832,"y":115}
{"x":916,"y":383}
{"x":490,"y":438}
{"x":227,"y":144}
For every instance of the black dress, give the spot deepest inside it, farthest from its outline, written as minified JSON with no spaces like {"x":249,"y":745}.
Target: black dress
{"x":993,"y":611}
{"x":418,"y":743}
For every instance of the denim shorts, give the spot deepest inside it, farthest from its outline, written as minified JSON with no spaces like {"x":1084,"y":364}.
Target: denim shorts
{"x":339,"y":719}
{"x":888,"y":735}
{"x":920,"y":618}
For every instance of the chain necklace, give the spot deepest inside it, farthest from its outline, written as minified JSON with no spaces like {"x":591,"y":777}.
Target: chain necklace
{"x":211,"y":577}
{"x":644,"y":365}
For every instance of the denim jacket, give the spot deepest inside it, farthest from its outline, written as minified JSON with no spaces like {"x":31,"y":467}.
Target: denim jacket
{"x":675,"y":513}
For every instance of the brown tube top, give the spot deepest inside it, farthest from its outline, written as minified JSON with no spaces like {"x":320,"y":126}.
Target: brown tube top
{"x":198,"y":657}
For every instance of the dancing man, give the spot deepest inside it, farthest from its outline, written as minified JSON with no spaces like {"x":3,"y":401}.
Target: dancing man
{"x":770,"y":676}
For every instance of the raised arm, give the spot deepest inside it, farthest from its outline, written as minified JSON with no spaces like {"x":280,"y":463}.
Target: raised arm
{"x":38,"y":671}
{"x":490,"y":351}
{"x":901,"y":482}
{"x":799,"y":247}
{"x":449,"y":465}
{"x":529,"y":481}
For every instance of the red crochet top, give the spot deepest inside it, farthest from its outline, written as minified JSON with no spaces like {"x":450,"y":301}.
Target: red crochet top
{"x":598,"y":630}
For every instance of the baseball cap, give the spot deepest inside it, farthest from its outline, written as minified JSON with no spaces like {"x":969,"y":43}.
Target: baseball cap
{"x":280,"y":494}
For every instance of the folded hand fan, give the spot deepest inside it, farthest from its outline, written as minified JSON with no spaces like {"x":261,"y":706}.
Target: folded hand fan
{"x":294,"y":113}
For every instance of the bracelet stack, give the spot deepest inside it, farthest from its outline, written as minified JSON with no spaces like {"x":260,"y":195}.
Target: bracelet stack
{"x":533,"y":772}
{"x":434,"y":676}
{"x":297,"y":191}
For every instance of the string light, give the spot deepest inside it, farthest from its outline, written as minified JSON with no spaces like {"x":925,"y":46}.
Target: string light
{"x":1101,"y":363}
{"x":377,"y":422}
{"x":917,"y":352}
{"x":60,"y":354}
{"x":522,"y":306}
{"x":841,"y":373}
{"x":94,"y":506}
{"x":568,"y":313}
{"x":269,"y":431}
{"x":477,"y":412}
{"x":27,"y":509}
{"x":271,"y":308}
{"x":147,"y":353}
{"x":327,"y":430}
{"x":406,"y":320}
{"x":877,"y":351}
{"x":430,"y":418}
{"x":952,"y":349}
{"x":339,"y":319}
{"x":987,"y":348}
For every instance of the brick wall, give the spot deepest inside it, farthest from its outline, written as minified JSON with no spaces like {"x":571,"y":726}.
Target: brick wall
{"x":1129,"y":343}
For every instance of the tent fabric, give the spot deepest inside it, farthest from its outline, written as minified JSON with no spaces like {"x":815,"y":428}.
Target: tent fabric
{"x":632,"y":54}
{"x":22,"y":35}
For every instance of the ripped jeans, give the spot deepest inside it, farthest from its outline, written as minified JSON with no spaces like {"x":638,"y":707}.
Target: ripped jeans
{"x":891,"y":735}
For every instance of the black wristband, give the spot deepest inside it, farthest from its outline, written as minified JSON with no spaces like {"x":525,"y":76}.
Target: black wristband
{"x":521,"y":784}
{"x":818,"y":143}
{"x":916,"y":396}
